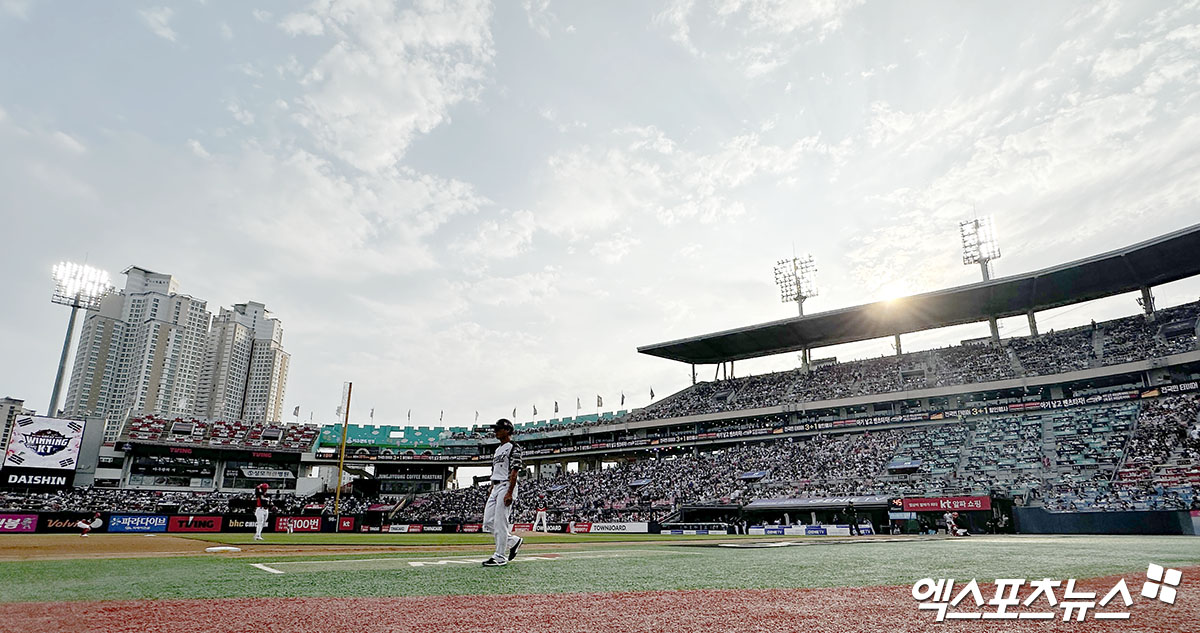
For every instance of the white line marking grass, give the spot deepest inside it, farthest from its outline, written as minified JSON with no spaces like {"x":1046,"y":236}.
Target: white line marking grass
{"x":265,"y":568}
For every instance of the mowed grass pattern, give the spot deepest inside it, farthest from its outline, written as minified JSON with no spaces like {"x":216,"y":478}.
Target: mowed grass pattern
{"x":664,"y":567}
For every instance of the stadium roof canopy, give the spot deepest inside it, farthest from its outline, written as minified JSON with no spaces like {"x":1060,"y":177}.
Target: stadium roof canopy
{"x":1161,"y":260}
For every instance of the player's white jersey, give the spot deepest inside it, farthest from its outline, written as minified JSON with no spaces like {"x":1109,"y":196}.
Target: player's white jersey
{"x":505,"y":459}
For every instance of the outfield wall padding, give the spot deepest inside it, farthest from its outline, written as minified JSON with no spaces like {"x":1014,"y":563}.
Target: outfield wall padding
{"x":1039,"y":521}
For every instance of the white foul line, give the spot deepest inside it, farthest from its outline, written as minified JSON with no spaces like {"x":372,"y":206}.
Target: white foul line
{"x":468,"y":558}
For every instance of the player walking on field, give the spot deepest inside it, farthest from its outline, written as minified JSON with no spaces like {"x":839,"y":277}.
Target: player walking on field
{"x":260,"y":510}
{"x":506,"y":463}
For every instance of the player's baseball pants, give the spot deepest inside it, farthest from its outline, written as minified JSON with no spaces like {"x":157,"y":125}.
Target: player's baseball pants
{"x":495,"y":520}
{"x":540,"y":517}
{"x":260,"y":514}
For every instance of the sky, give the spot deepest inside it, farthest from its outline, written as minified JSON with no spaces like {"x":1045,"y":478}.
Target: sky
{"x":468,"y":206}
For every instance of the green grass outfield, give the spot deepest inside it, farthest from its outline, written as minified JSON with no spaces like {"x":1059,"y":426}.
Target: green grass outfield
{"x":592,"y":568}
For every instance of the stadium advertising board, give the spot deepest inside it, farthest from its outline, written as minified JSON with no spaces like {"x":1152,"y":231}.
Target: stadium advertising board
{"x":346,"y":524}
{"x":36,"y":478}
{"x":240,"y":523}
{"x":299,"y":524}
{"x":628,"y":528}
{"x":195,"y":524}
{"x":807,"y":530}
{"x":42,"y":452}
{"x":45,"y":443}
{"x":579,"y":527}
{"x":68,"y":521}
{"x":137,"y":523}
{"x":267,"y":473}
{"x":560,"y":528}
{"x":18,"y":522}
{"x":472,"y":528}
{"x":942,"y":504}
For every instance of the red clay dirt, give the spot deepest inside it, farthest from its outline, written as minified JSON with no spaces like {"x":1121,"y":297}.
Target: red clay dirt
{"x":837,"y":610}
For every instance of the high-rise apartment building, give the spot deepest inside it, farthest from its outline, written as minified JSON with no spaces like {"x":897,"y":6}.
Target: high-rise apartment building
{"x":245,"y":366}
{"x":141,"y":353}
{"x":10,"y":409}
{"x":150,"y":350}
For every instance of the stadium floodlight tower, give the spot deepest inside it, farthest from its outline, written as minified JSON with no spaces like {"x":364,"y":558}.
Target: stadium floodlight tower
{"x":980,"y":246}
{"x":78,"y":286}
{"x":797,"y":281}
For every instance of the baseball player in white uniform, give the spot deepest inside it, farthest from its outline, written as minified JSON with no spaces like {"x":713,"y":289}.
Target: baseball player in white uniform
{"x":540,"y":517}
{"x":506,"y":463}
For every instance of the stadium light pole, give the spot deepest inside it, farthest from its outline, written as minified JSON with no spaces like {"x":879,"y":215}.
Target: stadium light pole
{"x":980,"y":246}
{"x":77,"y":286}
{"x":797,"y":281}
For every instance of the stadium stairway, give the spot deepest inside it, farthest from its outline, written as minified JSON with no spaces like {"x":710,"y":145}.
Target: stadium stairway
{"x":1014,"y":361}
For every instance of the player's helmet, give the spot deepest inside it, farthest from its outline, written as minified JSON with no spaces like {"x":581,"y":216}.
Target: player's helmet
{"x":263,"y":487}
{"x":954,"y":514}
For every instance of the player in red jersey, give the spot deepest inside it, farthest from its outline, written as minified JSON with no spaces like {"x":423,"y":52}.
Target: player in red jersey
{"x":261,"y":510}
{"x":86,"y":525}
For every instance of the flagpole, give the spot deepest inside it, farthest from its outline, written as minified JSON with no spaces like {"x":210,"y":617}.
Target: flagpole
{"x":337,"y":495}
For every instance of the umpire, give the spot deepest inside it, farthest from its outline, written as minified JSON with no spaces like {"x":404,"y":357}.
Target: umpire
{"x":851,"y":515}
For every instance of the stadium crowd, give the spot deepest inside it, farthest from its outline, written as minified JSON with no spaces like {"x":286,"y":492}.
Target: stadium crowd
{"x":1111,"y":342}
{"x":90,"y":499}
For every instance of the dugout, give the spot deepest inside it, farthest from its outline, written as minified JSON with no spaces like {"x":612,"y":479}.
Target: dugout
{"x":817,"y":510}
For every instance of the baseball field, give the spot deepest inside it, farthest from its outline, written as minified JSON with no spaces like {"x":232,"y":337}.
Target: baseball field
{"x":364,"y":583}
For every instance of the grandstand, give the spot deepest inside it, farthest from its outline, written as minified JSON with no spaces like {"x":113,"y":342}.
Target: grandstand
{"x":219,"y":434}
{"x":1099,"y":417}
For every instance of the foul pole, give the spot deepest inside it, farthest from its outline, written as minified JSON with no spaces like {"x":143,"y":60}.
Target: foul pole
{"x":337,"y":496}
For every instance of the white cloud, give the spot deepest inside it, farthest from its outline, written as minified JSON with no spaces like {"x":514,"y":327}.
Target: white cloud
{"x":527,"y":288}
{"x":19,"y":8}
{"x":248,"y":69}
{"x":645,"y":174}
{"x":240,"y":114}
{"x":158,"y":20}
{"x":676,"y":16}
{"x":302,"y":24}
{"x":261,"y":15}
{"x":226,"y":31}
{"x":69,"y":143}
{"x":502,"y":239}
{"x":614,"y":249}
{"x":759,"y":36}
{"x":1117,"y":62}
{"x":538,"y":13}
{"x":197,"y":148}
{"x":391,"y":74}
{"x":788,"y":16}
